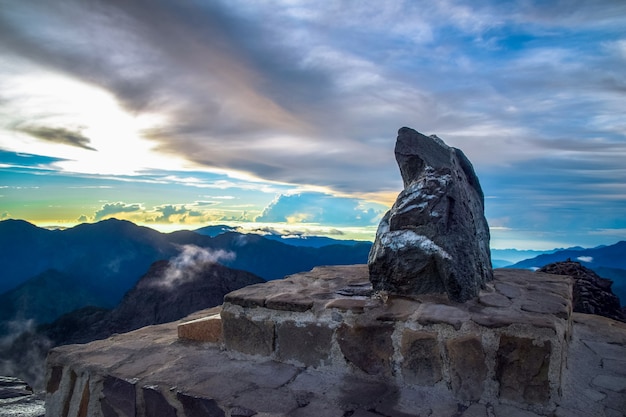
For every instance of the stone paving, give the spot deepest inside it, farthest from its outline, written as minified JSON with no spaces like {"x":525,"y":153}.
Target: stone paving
{"x":153,"y":372}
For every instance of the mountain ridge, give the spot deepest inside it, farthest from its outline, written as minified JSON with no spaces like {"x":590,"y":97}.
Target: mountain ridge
{"x":108,"y":257}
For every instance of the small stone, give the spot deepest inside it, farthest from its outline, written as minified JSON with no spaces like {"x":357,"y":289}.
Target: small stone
{"x":289,"y":302}
{"x":468,"y":368}
{"x":241,"y":412}
{"x":559,"y":310}
{"x":421,"y":363}
{"x":614,"y":365}
{"x":118,"y":394}
{"x":155,"y":405}
{"x":309,"y":343}
{"x":278,"y":402}
{"x":354,"y":392}
{"x":494,"y":300}
{"x":606,"y":350}
{"x":319,"y":408}
{"x":522,"y":369}
{"x":613,"y":383}
{"x":348,"y":304}
{"x":594,"y":395}
{"x":508,"y":290}
{"x":369,"y":348}
{"x":439,"y":313}
{"x":199,"y":407}
{"x":475,"y":410}
{"x":254,"y":337}
{"x":568,"y":412}
{"x":398,"y":309}
{"x":250,"y":296}
{"x":510,"y":411}
{"x":502,"y":317}
{"x":206,"y":329}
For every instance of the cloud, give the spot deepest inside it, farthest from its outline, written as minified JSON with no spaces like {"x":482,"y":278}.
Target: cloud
{"x":111,"y":209}
{"x":311,"y":93}
{"x":58,"y":135}
{"x":586,"y":259}
{"x":311,"y":207}
{"x":289,"y":231}
{"x":170,"y":211}
{"x":189,"y":263}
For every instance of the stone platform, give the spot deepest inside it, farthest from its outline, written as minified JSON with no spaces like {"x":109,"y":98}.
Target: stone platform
{"x":320,"y":344}
{"x":508,"y":344}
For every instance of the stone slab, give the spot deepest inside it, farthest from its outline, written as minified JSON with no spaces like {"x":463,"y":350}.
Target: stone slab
{"x":331,"y":317}
{"x":205,"y":329}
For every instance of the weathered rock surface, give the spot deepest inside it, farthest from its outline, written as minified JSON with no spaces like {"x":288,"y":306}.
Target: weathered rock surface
{"x":592,"y":293}
{"x":502,"y":360}
{"x":18,"y":399}
{"x":329,"y":318}
{"x":435,"y":238}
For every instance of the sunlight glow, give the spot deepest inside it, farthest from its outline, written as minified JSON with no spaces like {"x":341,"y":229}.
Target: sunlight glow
{"x":115,"y":145}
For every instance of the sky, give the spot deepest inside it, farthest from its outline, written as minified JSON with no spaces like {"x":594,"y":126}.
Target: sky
{"x":179,"y":114}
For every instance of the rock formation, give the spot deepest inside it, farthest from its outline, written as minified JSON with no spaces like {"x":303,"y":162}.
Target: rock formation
{"x":435,"y":238}
{"x":592,"y":293}
{"x":18,"y":399}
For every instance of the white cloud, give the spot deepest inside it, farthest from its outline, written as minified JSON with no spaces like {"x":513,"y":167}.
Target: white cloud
{"x":320,"y":208}
{"x":189,"y":264}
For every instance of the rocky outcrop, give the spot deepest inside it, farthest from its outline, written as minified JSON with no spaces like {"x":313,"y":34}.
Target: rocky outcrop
{"x":592,"y":293}
{"x":18,"y":399}
{"x":435,"y":238}
{"x":165,"y":293}
{"x":168,"y":292}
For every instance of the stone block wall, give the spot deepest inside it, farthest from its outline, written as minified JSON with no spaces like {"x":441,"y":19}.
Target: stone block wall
{"x":323,"y":341}
{"x":508,"y":345}
{"x":91,"y":394}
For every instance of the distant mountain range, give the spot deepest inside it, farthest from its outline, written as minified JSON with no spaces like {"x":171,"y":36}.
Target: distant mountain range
{"x":290,"y":239}
{"x":46,"y":273}
{"x":501,"y":258}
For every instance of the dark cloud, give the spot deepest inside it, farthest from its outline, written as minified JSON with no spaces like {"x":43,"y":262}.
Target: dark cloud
{"x":111,"y":209}
{"x":224,"y":80}
{"x":58,"y":135}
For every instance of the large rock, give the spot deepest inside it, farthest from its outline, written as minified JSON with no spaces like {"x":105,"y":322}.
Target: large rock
{"x":435,"y":238}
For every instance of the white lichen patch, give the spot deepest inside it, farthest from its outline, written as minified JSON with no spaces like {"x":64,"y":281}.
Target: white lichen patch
{"x":400,"y":239}
{"x":420,"y":207}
